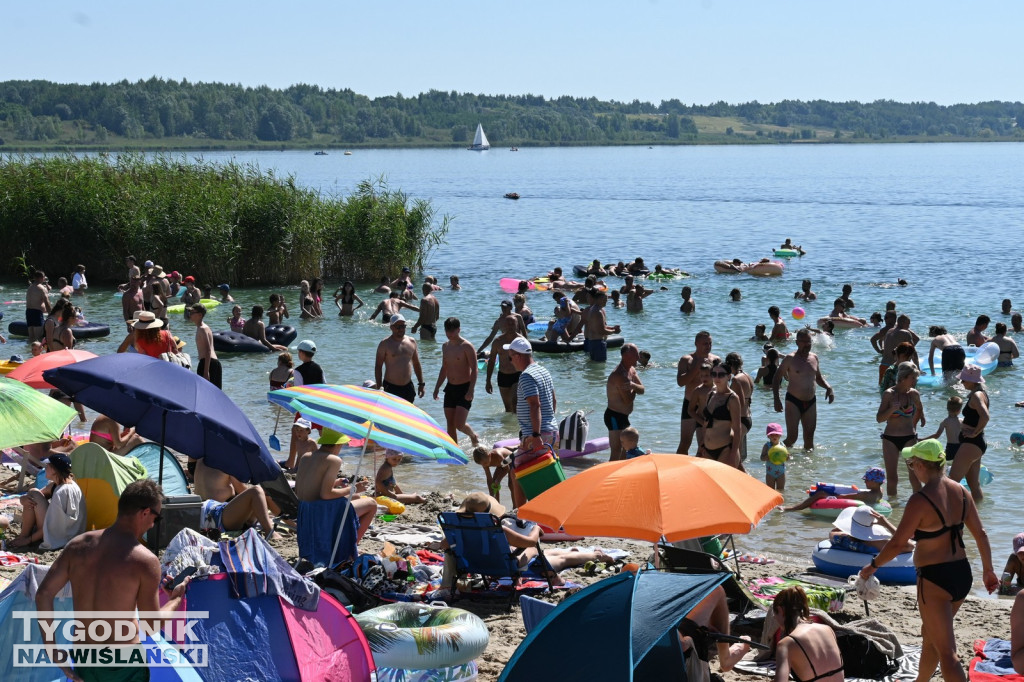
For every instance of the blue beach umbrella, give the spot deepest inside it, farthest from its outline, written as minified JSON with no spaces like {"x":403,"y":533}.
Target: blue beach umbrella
{"x":172,"y":406}
{"x":614,"y":629}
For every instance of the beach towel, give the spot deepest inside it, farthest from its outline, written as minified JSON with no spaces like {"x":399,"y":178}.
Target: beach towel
{"x":991,"y":662}
{"x":255,"y":569}
{"x":909,"y":663}
{"x":189,"y":548}
{"x":318,"y":523}
{"x":404,"y":534}
{"x":763,"y":591}
{"x":12,"y":559}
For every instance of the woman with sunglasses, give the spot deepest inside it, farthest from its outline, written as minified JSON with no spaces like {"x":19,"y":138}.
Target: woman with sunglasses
{"x":722,"y":413}
{"x":935,"y":517}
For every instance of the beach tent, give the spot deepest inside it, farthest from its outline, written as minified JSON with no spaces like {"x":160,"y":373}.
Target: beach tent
{"x":20,"y":595}
{"x":103,"y":476}
{"x":621,"y":628}
{"x":148,"y":455}
{"x":266,"y":622}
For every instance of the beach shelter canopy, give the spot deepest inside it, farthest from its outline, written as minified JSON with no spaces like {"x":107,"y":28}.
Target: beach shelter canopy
{"x":20,"y":596}
{"x":367,"y":413}
{"x":172,"y":406}
{"x":605,"y":631}
{"x":148,"y":454}
{"x":31,"y":371}
{"x":102,"y":476}
{"x":654,"y":496}
{"x":27,"y":416}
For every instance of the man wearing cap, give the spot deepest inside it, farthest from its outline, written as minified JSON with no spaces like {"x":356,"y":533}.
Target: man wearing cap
{"x":688,"y":376}
{"x":623,"y":387}
{"x":191,"y":295}
{"x":459,"y":368}
{"x":508,"y":375}
{"x":536,"y":399}
{"x":317,"y":479}
{"x":397,"y":358}
{"x":403,"y":281}
{"x":225,"y":293}
{"x":430,"y":313}
{"x":802,"y":370}
{"x":37,"y":304}
{"x":209,"y":366}
{"x":507,"y":313}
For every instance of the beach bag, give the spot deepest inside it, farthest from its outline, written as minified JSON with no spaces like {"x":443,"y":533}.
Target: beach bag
{"x":863,"y":656}
{"x":179,"y":359}
{"x":573,"y":431}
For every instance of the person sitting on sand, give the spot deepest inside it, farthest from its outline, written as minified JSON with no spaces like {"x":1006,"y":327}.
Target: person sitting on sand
{"x":55,"y":514}
{"x":317,"y":479}
{"x":385,"y":483}
{"x":873,"y":480}
{"x":816,"y":655}
{"x":108,"y":434}
{"x":526,"y":539}
{"x":228,"y":503}
{"x":1014,"y":568}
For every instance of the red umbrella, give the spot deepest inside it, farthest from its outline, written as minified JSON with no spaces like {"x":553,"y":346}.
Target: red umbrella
{"x":31,"y":371}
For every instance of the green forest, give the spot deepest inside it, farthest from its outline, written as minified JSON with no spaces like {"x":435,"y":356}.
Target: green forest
{"x":159,"y":113}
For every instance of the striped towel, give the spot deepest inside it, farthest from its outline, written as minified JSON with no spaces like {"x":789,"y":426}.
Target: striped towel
{"x":254,"y":569}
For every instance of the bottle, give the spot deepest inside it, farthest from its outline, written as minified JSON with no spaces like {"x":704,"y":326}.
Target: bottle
{"x":1004,"y":583}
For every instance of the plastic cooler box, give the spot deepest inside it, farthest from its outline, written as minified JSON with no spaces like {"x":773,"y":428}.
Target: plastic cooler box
{"x":177,"y":512}
{"x":539,"y":474}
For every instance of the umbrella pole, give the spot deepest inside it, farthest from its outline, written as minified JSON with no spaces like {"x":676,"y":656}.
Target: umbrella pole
{"x":163,"y":434}
{"x":351,"y":494}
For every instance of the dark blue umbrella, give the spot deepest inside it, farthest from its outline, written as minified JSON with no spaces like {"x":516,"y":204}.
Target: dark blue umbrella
{"x":172,"y":406}
{"x":607,"y":630}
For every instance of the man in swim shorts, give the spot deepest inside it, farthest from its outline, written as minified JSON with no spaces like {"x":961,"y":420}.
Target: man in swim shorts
{"x":240,"y":513}
{"x":802,"y":370}
{"x":37,"y":305}
{"x":596,"y":329}
{"x":459,"y":367}
{"x":688,"y":376}
{"x":397,"y":358}
{"x":508,"y":376}
{"x":623,"y":387}
{"x":536,"y":401}
{"x":430,"y":313}
{"x":901,"y":333}
{"x":952,"y":354}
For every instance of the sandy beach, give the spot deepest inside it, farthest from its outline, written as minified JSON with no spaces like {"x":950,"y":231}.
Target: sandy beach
{"x":896,"y":607}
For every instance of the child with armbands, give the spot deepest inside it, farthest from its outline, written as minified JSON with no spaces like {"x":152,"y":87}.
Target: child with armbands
{"x":774,"y":456}
{"x":630,"y":439}
{"x":873,"y":480}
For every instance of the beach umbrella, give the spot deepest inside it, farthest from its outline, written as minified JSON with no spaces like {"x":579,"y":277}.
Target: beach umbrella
{"x":621,"y":628}
{"x":31,"y":371}
{"x":367,"y":413}
{"x":371,"y":415}
{"x":652,"y":497}
{"x":27,"y":416}
{"x":172,"y":406}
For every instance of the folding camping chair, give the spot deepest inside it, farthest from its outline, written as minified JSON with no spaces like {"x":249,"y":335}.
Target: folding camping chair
{"x":319,"y":524}
{"x":282,"y":495}
{"x":680,"y":560}
{"x":478,"y":545}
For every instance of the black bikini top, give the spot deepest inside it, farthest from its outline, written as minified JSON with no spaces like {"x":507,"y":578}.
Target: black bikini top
{"x":720,"y":412}
{"x":816,"y":675}
{"x":955,"y":531}
{"x":971,"y":415}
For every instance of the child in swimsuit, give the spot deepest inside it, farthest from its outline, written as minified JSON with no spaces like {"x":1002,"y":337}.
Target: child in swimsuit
{"x":236,"y":322}
{"x":774,"y":474}
{"x":500,"y":459}
{"x":951,"y":425}
{"x":385,"y":483}
{"x":630,"y":439}
{"x":281,"y":375}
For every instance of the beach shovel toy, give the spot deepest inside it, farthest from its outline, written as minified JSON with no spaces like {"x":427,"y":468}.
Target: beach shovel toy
{"x":273,"y":441}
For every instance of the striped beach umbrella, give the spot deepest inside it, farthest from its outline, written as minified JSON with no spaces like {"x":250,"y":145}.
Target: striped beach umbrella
{"x":378,"y":416}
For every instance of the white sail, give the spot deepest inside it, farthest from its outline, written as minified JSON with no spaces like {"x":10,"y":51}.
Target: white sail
{"x":480,"y":139}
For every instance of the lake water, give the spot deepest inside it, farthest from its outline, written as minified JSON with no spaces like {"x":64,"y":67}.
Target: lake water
{"x":947,"y":218}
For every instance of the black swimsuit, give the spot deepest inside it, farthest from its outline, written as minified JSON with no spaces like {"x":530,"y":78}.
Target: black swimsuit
{"x":955,"y":576}
{"x":971,"y":418}
{"x":720,"y":413}
{"x":816,"y":675}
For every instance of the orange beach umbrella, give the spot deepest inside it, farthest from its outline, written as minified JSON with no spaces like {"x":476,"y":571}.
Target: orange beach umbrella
{"x":654,"y":496}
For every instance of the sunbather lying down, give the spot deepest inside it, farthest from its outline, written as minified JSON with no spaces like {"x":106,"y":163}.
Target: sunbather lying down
{"x":526,"y":540}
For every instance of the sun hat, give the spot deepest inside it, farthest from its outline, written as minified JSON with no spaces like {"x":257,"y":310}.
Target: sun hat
{"x":929,"y":450}
{"x":875,"y":474}
{"x":971,"y":373}
{"x":519,"y":345}
{"x":158,"y":272}
{"x":396,"y":319}
{"x":332,"y":437}
{"x":61,"y":463}
{"x":147,"y":320}
{"x":481,"y":502}
{"x":16,"y":358}
{"x":773,"y":429}
{"x":860,"y":523}
{"x":307,"y":346}
{"x":303,"y":424}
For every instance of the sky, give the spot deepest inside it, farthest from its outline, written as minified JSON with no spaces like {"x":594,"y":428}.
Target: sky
{"x":697,"y":51}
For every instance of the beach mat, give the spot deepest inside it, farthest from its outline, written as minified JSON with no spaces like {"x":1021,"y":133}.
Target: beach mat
{"x":991,"y":662}
{"x":909,"y":662}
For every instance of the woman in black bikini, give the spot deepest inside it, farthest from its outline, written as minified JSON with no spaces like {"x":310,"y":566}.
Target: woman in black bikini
{"x":721,"y":414}
{"x":935,"y":516}
{"x":805,"y":647}
{"x":972,"y":432}
{"x":901,"y":410}
{"x":345,"y":297}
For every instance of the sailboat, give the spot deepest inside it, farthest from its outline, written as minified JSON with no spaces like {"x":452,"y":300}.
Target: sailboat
{"x":480,"y":142}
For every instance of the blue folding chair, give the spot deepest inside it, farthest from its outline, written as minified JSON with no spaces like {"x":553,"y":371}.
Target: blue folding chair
{"x":478,"y":544}
{"x":319,"y":524}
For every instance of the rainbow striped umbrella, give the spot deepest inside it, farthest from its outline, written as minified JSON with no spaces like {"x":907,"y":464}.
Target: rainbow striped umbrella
{"x":366,"y":413}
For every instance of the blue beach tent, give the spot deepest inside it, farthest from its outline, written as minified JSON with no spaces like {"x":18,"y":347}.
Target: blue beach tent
{"x":174,"y":478}
{"x":622,"y":628}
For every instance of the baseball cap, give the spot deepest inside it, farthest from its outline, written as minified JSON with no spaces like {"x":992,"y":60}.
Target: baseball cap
{"x":929,"y":450}
{"x":971,"y":373}
{"x":224,"y":287}
{"x":875,"y":474}
{"x":1018,"y":542}
{"x":519,"y":345}
{"x":188,"y":279}
{"x":395,"y":319}
{"x":148,"y":264}
{"x":303,"y":424}
{"x":61,"y":462}
{"x":773,"y":429}
{"x":406,"y":269}
{"x":307,"y":346}
{"x":506,"y":304}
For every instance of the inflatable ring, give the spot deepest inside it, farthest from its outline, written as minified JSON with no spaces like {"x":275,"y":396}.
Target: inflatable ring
{"x":831,"y":507}
{"x":210,"y":304}
{"x":787,"y":253}
{"x":467,"y":672}
{"x":843,"y":563}
{"x":396,"y":633}
{"x":89,"y":330}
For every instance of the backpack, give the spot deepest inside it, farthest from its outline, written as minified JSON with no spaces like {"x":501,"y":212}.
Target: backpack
{"x":863,"y":657}
{"x":573,"y":431}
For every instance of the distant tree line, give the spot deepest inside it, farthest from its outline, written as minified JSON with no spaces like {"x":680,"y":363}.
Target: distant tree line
{"x":42,"y":111}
